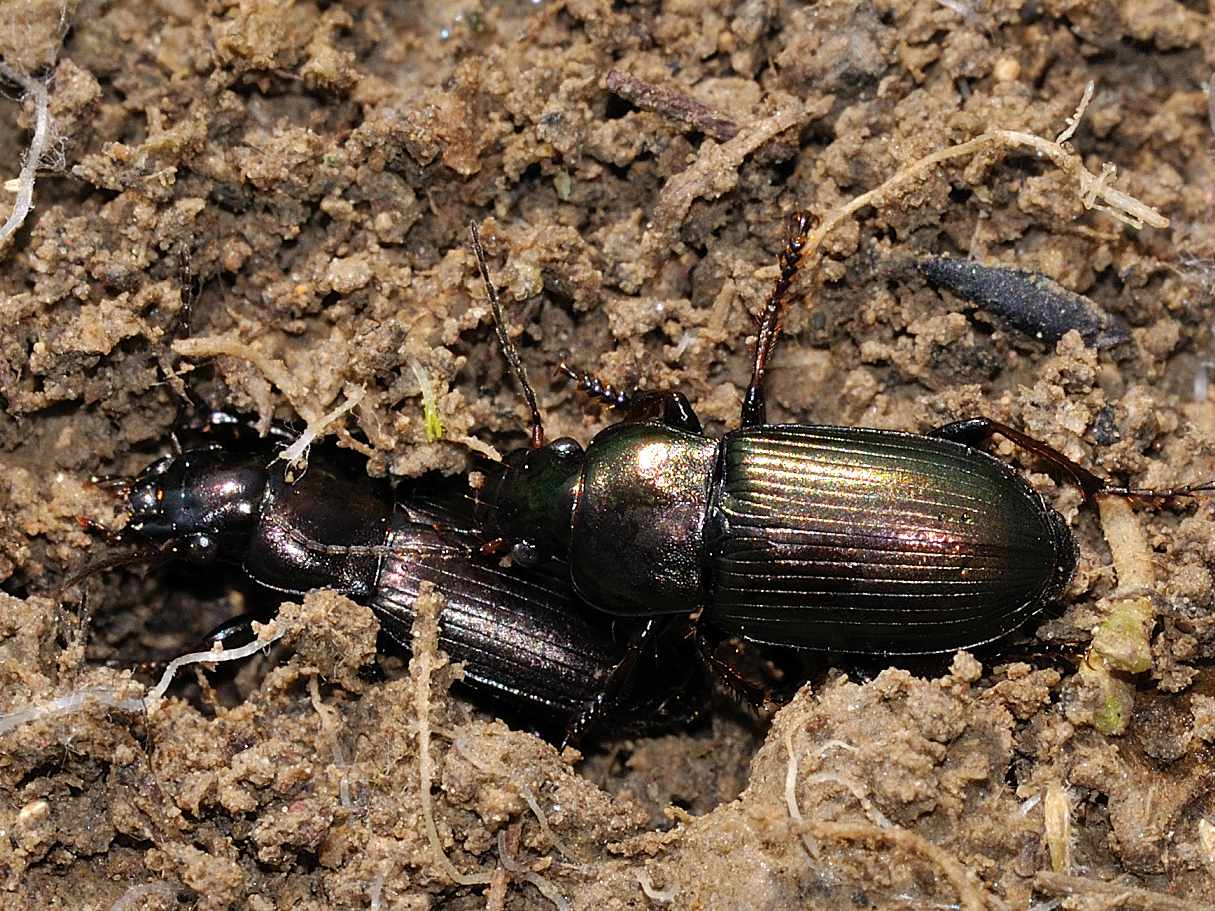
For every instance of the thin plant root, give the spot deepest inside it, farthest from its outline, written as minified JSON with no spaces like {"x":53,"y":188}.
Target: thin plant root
{"x":971,"y":897}
{"x":659,"y":896}
{"x":23,"y":184}
{"x":545,"y":886}
{"x":329,"y":729}
{"x":275,"y":372}
{"x":1124,"y":897}
{"x":426,"y":660}
{"x":1094,"y":190}
{"x":297,"y":453}
{"x":276,"y":630}
{"x":461,"y":746}
{"x":69,"y":704}
{"x":131,"y":897}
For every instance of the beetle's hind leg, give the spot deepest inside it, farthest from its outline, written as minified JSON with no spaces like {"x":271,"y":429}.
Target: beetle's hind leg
{"x":973,"y":431}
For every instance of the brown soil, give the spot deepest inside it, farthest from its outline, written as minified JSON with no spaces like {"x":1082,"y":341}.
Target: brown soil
{"x":316,"y":165}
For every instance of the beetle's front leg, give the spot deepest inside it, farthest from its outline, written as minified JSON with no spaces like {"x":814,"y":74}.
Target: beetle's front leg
{"x":670,"y":408}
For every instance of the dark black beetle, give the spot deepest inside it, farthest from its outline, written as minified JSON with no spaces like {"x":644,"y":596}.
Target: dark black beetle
{"x":517,"y":631}
{"x":822,"y":538}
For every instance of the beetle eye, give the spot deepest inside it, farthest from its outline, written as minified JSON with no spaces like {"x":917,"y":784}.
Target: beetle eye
{"x":200,"y":549}
{"x":565,"y":447}
{"x":525,"y":553}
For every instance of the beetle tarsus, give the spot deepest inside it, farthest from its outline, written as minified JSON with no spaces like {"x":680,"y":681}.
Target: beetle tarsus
{"x":754,"y":410}
{"x":595,"y":387}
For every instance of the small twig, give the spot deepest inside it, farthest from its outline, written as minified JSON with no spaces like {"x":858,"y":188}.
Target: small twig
{"x":715,"y":170}
{"x":672,"y":104}
{"x":33,"y":156}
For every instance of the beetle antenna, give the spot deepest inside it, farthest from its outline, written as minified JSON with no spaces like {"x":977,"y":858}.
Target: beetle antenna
{"x":509,"y":351}
{"x":754,"y":411}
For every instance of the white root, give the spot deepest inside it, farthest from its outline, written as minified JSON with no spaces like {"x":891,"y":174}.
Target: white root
{"x":131,"y":897}
{"x":152,"y":700}
{"x":545,"y":886}
{"x":23,"y":185}
{"x":1073,"y":122}
{"x":329,"y":729}
{"x":110,"y":697}
{"x":461,"y":746}
{"x":297,"y":453}
{"x":69,"y":704}
{"x":1094,"y":191}
{"x":660,"y":896}
{"x":425,"y":647}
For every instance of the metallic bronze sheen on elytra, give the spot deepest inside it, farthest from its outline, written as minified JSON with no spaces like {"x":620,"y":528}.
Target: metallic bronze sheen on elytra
{"x":877,"y":541}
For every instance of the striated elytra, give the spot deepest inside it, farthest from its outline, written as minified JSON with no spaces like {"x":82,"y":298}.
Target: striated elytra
{"x":820,"y":538}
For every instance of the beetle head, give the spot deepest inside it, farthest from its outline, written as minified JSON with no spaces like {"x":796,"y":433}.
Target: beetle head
{"x":531,"y":499}
{"x":200,"y":502}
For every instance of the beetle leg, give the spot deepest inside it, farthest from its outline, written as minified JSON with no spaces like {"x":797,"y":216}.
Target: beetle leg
{"x":670,"y":408}
{"x":592,"y":710}
{"x":754,"y":410}
{"x":744,"y":690}
{"x":973,"y":431}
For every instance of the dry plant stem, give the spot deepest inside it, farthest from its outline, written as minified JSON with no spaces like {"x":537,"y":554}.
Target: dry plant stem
{"x":971,"y":897}
{"x":672,"y":104}
{"x":1127,"y":898}
{"x":1057,"y":826}
{"x":1093,"y":189}
{"x":427,"y":659}
{"x":716,"y":167}
{"x":1124,"y":637}
{"x":33,"y":156}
